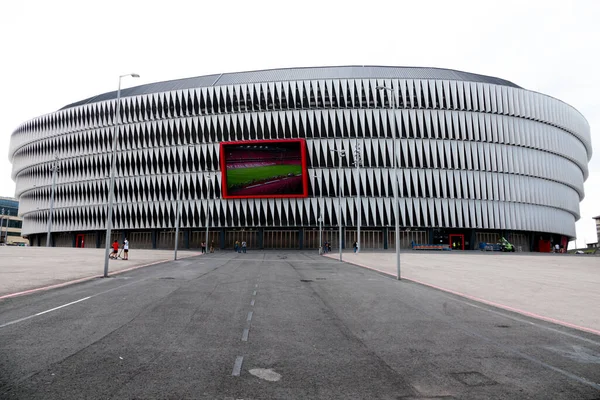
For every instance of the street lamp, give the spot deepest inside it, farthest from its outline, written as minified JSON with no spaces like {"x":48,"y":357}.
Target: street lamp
{"x":54,"y":168}
{"x":208,"y":219}
{"x":178,"y":216}
{"x":320,"y":219}
{"x":358,"y":159}
{"x":392,"y":94}
{"x":111,"y":186}
{"x":341,"y":154}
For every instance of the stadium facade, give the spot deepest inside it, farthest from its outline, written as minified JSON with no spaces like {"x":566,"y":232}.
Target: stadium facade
{"x":478,"y":158}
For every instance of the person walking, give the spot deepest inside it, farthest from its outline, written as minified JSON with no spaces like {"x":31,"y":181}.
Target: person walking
{"x":212,"y":246}
{"x":203,"y":247}
{"x":236,"y":246}
{"x":355,"y":246}
{"x":126,"y":249}
{"x":244,"y":246}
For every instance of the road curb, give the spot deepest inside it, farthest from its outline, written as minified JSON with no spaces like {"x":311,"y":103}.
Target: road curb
{"x":483,"y":301}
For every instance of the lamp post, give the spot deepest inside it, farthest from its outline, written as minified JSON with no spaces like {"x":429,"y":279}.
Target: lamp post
{"x":341,"y":154}
{"x":320,"y":219}
{"x":54,"y":168}
{"x":178,"y":216}
{"x":111,"y":186}
{"x":208,"y":219}
{"x":392,"y":94}
{"x":358,"y":159}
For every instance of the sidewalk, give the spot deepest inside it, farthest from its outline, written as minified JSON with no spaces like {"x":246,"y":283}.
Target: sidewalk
{"x":26,"y":268}
{"x":561,"y":288}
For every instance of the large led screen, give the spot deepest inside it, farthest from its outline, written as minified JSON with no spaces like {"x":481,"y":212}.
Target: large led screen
{"x":264,"y":168}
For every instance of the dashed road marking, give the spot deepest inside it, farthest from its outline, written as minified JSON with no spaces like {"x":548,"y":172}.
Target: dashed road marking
{"x":250,"y":316}
{"x":237,"y":366}
{"x":252,"y":303}
{"x":245,"y":335}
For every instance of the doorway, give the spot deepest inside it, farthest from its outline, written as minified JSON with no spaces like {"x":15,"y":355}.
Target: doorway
{"x":457,"y":242}
{"x":80,"y":241}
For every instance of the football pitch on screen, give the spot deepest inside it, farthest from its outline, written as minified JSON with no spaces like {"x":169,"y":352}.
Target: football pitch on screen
{"x":247,"y":175}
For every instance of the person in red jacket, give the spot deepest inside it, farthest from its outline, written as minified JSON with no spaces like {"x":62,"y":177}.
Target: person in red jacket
{"x":115,"y":252}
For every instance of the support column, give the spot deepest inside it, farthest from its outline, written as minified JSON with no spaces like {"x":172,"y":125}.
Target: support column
{"x":385,"y":238}
{"x":261,"y":233}
{"x":474,"y":246}
{"x":301,"y":238}
{"x":186,"y":239}
{"x":154,"y":238}
{"x":222,"y":238}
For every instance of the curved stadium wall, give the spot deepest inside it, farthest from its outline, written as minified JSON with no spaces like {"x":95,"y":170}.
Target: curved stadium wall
{"x":477,"y":156}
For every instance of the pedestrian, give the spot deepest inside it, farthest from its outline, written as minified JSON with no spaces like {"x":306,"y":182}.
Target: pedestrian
{"x":236,"y":246}
{"x":126,"y":249}
{"x":326,"y":247}
{"x":115,"y":252}
{"x":244,"y":246}
{"x":212,"y":246}
{"x":203,"y":247}
{"x":355,"y":246}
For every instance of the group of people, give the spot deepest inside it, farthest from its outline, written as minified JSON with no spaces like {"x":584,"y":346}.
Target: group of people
{"x":115,"y":253}
{"x":240,"y":247}
{"x":203,"y":247}
{"x":327,"y":247}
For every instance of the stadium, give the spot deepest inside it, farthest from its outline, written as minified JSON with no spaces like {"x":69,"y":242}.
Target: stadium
{"x":478,"y":158}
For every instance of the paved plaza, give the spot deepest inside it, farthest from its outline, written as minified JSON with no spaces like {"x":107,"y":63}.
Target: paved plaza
{"x":26,"y":268}
{"x":561,"y":288}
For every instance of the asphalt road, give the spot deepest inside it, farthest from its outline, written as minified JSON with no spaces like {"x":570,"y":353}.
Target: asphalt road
{"x":280,"y":325}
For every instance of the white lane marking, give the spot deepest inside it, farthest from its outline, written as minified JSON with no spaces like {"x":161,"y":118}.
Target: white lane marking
{"x":266,"y":374}
{"x":64,"y":305}
{"x":250,"y":316}
{"x":77,"y":301}
{"x":254,"y":294}
{"x":252,"y":303}
{"x":44,"y":312}
{"x":245,"y":335}
{"x":256,"y":285}
{"x":237,"y":366}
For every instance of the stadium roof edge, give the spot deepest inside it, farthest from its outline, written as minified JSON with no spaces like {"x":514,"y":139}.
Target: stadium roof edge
{"x":300,"y":73}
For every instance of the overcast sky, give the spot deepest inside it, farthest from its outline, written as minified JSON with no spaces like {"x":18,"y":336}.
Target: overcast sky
{"x":57,"y":52}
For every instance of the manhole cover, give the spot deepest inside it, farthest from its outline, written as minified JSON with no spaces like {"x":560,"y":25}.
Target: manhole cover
{"x":473,"y":378}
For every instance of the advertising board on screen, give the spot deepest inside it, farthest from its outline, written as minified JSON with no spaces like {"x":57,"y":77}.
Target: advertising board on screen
{"x":264,"y":169}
